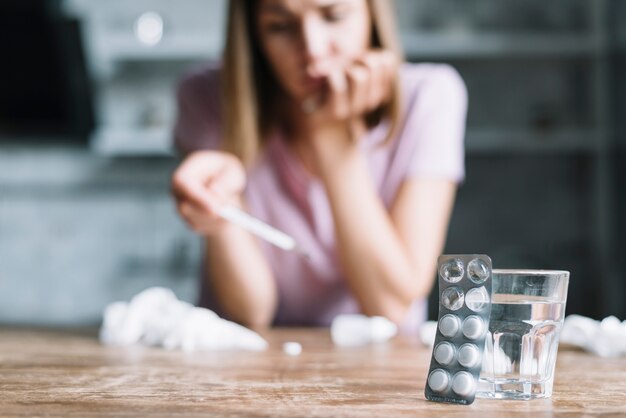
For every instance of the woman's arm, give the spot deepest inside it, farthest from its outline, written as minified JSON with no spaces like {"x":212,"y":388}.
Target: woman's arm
{"x":389,"y":257}
{"x":240,"y":275}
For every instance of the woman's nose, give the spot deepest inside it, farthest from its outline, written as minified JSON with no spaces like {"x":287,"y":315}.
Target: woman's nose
{"x":316,"y":42}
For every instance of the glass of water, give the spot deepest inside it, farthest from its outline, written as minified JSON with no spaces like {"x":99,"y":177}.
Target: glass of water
{"x":528,"y":307}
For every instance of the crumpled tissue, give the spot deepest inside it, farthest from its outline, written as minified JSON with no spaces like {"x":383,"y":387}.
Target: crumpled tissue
{"x":428,"y":332}
{"x":156,"y":317}
{"x":353,"y":330}
{"x":606,"y":338}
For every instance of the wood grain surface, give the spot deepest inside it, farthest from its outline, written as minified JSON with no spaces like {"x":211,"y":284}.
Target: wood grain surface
{"x":68,"y":373}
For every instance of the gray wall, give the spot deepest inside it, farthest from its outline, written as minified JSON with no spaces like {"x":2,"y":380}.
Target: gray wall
{"x":78,"y":231}
{"x":86,"y":224}
{"x":616,"y":288}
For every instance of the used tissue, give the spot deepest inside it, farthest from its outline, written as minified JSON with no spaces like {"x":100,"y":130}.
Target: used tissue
{"x":352,"y":330}
{"x":428,"y":332}
{"x":156,"y":317}
{"x":606,"y":338}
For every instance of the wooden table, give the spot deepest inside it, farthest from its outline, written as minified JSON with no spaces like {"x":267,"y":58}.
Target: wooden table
{"x":55,"y":373}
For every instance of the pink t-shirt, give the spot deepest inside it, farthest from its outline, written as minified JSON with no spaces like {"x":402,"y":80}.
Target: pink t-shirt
{"x":429,"y":143}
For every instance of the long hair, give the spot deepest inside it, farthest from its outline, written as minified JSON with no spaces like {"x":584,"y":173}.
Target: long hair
{"x":248,"y":83}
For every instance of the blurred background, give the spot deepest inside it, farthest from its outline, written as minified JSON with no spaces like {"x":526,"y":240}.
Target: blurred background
{"x":87,"y":107}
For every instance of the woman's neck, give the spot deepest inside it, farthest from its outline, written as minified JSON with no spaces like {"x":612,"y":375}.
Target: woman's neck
{"x":316,"y":142}
{"x":295,"y":134}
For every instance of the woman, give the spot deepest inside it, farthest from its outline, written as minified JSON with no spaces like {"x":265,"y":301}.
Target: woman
{"x":318,"y":131}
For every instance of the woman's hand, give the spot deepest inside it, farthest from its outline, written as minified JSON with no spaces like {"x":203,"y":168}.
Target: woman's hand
{"x":350,"y":92}
{"x":202,"y":184}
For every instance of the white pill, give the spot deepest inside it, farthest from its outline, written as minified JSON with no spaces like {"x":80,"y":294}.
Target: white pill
{"x":469,"y":356}
{"x":444,"y":353}
{"x":292,"y":348}
{"x":473,"y":327}
{"x":463,"y":384}
{"x":438,"y":380}
{"x":449,"y":325}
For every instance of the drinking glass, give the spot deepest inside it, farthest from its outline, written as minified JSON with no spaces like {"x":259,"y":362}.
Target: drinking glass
{"x":527,"y":312}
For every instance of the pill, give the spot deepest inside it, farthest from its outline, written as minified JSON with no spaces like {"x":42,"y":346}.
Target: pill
{"x":438,"y":380}
{"x":463,"y":384}
{"x":449,"y":325}
{"x":473,"y":327}
{"x":292,"y":348}
{"x":444,"y":353}
{"x":469,"y":355}
{"x":465,"y":289}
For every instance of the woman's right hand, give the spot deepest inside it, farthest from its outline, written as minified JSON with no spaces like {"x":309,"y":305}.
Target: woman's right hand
{"x":203,"y":183}
{"x":335,"y":113}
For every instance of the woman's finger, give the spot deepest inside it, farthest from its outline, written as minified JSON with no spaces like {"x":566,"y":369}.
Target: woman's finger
{"x":230,"y":179}
{"x":215,"y":201}
{"x":381,"y":65}
{"x":189,"y":190}
{"x":375,"y":92}
{"x":202,"y":171}
{"x":359,"y":78}
{"x":190,"y":178}
{"x":390,"y":72}
{"x":197,"y":219}
{"x":338,"y":100}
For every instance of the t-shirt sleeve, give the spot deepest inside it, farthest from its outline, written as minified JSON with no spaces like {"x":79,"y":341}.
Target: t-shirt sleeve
{"x":198,"y":121}
{"x":436,"y":122}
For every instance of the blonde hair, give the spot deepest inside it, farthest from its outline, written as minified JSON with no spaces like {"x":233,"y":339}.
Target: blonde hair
{"x":247,"y":80}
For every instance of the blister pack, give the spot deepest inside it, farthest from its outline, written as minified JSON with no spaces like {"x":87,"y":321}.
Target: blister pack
{"x":464,"y":310}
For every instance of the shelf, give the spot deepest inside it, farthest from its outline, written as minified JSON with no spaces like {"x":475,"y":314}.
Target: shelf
{"x":158,"y":142}
{"x":564,"y":141}
{"x":132,"y":142}
{"x":491,"y":45}
{"x":124,"y":47}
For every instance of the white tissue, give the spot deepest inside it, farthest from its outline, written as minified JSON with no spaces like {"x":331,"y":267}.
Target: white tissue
{"x":156,"y":317}
{"x":428,"y":332}
{"x":606,"y":338}
{"x":355,"y":330}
